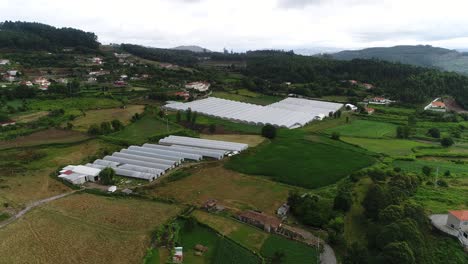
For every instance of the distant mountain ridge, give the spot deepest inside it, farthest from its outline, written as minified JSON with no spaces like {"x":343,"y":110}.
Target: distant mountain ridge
{"x":192,"y":48}
{"x":420,"y":55}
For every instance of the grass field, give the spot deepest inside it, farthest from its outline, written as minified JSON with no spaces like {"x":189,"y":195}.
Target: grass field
{"x":417,"y":165}
{"x":84,"y":103}
{"x":84,"y":228}
{"x":29,"y":117}
{"x":442,"y":199}
{"x":391,"y":147}
{"x":294,"y":160}
{"x":106,"y":115}
{"x":364,"y":128}
{"x":250,"y":237}
{"x":251,"y":140}
{"x":199,"y":235}
{"x":25,"y":176}
{"x":294,"y":252}
{"x":247,"y":96}
{"x":230,"y":188}
{"x":49,"y":136}
{"x":148,"y":126}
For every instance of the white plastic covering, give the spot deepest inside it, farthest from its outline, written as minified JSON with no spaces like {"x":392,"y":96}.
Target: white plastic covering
{"x":288,"y":113}
{"x":169,"y":153}
{"x":136,"y":174}
{"x":204,"y":143}
{"x":157,"y":172}
{"x":137,"y":162}
{"x":187,"y":155}
{"x":169,"y":163}
{"x":152,"y":155}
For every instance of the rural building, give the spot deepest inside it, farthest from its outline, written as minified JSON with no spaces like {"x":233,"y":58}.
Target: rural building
{"x":213,"y":206}
{"x":92,"y":80}
{"x":79,"y":174}
{"x":458,"y":220}
{"x":369,"y":110}
{"x":351,"y":107}
{"x":97,"y":60}
{"x":121,"y":55}
{"x":12,"y":72}
{"x":112,"y":189}
{"x":379,"y":100}
{"x":368,"y":86}
{"x":9,"y":78}
{"x":4,"y":62}
{"x":178,"y":255}
{"x":27,"y":83}
{"x":353,"y":82}
{"x":199,"y":86}
{"x":436,"y":105}
{"x":7,"y":123}
{"x":185,"y":95}
{"x":120,"y":83}
{"x":42,"y":82}
{"x":283,"y":210}
{"x":266,"y":222}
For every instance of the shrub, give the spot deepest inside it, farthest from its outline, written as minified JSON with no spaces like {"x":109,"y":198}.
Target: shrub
{"x":447,"y":142}
{"x":335,"y":136}
{"x":269,"y":131}
{"x":427,"y":170}
{"x":117,"y":125}
{"x":94,"y":130}
{"x":442,"y":183}
{"x":434,"y":132}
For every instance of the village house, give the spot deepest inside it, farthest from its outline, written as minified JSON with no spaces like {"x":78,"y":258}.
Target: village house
{"x":27,"y":83}
{"x":263,"y":221}
{"x":368,"y":86}
{"x":121,"y":55}
{"x":92,"y":80}
{"x":42,"y":82}
{"x":379,"y":101}
{"x":12,"y":72}
{"x":4,"y":62}
{"x":120,"y":83}
{"x":199,"y":86}
{"x":436,"y":105}
{"x":351,"y":107}
{"x":79,"y":174}
{"x":7,"y":123}
{"x":353,"y":82}
{"x":213,"y":206}
{"x":178,"y":255}
{"x":283,"y":210}
{"x":9,"y":78}
{"x":369,"y":110}
{"x":458,"y":220}
{"x":185,"y":95}
{"x":97,"y":60}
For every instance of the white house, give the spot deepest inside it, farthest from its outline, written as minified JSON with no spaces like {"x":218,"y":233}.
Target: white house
{"x":4,"y":62}
{"x":351,"y":107}
{"x":79,"y":174}
{"x":199,"y":86}
{"x":436,"y":105}
{"x":12,"y":72}
{"x":458,"y":220}
{"x":112,"y":189}
{"x":97,"y":60}
{"x":380,"y":101}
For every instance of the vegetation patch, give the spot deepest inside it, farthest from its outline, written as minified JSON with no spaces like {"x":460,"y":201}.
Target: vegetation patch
{"x":44,"y":137}
{"x":286,"y":251}
{"x":300,"y":162}
{"x":364,"y":128}
{"x":124,"y":115}
{"x":391,"y":147}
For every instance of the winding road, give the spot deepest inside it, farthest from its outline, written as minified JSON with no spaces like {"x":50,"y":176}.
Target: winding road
{"x":33,"y":205}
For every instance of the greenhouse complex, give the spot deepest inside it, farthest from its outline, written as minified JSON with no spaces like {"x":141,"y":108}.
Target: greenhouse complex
{"x":289,"y":113}
{"x":150,"y":161}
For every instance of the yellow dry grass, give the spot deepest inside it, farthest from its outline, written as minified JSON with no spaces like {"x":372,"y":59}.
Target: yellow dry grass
{"x":30,"y":117}
{"x":48,"y":136}
{"x":251,"y":140}
{"x":230,"y":188}
{"x":106,"y":115}
{"x":84,"y":228}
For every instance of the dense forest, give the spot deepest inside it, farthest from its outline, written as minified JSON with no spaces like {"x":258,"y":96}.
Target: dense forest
{"x":181,"y":57}
{"x":37,"y":36}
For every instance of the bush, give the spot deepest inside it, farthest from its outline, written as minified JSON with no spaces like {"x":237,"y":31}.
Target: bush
{"x":442,"y":183}
{"x":269,"y":131}
{"x":335,"y":136}
{"x":117,"y":125}
{"x":434,"y":132}
{"x":94,"y":130}
{"x":447,"y":142}
{"x":107,"y":176}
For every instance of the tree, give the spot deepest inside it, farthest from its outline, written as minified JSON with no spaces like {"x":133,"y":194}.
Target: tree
{"x":375,"y":200}
{"x":426,"y":170}
{"x":391,"y":214}
{"x":335,"y":135}
{"x":117,"y":125}
{"x":434,"y":132}
{"x":69,"y":126}
{"x":269,"y":131}
{"x":398,"y":253}
{"x":188,"y":114}
{"x":178,"y":116}
{"x":343,"y":200}
{"x":212,"y":128}
{"x":106,"y":176}
{"x":161,"y":114}
{"x":194,"y":118}
{"x":403,"y":131}
{"x":106,"y":128}
{"x":94,"y":130}
{"x":447,"y":142}
{"x":278,"y":257}
{"x":356,"y":254}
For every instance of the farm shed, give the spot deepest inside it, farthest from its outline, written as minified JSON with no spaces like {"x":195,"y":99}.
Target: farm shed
{"x":79,"y":174}
{"x":288,"y":113}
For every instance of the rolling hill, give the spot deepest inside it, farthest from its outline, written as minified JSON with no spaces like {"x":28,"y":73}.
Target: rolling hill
{"x":426,"y":56}
{"x":192,"y":48}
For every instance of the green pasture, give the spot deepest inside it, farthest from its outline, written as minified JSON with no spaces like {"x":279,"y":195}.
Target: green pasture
{"x":364,"y":128}
{"x":294,"y":252}
{"x":391,"y":147}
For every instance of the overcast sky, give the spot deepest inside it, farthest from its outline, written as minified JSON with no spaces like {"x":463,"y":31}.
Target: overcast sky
{"x":255,"y":24}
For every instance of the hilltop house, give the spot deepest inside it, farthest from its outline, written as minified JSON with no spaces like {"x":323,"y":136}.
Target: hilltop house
{"x":436,"y":105}
{"x":458,"y":220}
{"x":266,"y":222}
{"x":379,"y":101}
{"x":199,"y":86}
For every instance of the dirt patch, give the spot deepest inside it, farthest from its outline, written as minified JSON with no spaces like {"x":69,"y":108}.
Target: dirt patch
{"x":30,"y":117}
{"x":251,"y":140}
{"x":233,"y":190}
{"x":106,"y":115}
{"x":452,"y":105}
{"x":48,"y":136}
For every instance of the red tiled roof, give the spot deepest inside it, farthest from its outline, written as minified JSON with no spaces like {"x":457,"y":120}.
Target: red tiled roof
{"x":262,"y":218}
{"x":462,"y":215}
{"x":68,"y":172}
{"x":438,"y":104}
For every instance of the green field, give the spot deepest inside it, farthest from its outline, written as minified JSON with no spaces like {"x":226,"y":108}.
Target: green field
{"x":297,"y":161}
{"x":416,"y":166}
{"x":391,"y":147}
{"x":364,"y":128}
{"x":220,"y":250}
{"x":148,"y":126}
{"x":294,"y":252}
{"x":442,"y":199}
{"x":84,"y":103}
{"x":247,"y":96}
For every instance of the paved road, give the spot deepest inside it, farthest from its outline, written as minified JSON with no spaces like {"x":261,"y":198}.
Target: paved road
{"x":31,"y":206}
